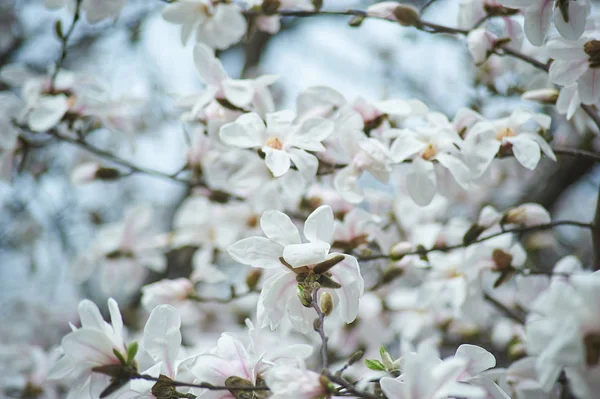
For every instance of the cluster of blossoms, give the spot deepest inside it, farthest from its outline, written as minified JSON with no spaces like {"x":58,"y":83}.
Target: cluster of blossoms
{"x":329,"y":226}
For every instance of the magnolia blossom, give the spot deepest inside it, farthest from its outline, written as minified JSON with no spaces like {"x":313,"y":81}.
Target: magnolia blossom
{"x":122,"y":251}
{"x":95,"y":10}
{"x":563,"y":329}
{"x":280,"y":140}
{"x":575,"y":63}
{"x":366,"y":155}
{"x":287,"y":382}
{"x":569,"y":17}
{"x":172,"y":292}
{"x":218,"y":25}
{"x":91,"y":345}
{"x":435,"y":141}
{"x":294,"y":263}
{"x":425,"y":376}
{"x":486,"y":139}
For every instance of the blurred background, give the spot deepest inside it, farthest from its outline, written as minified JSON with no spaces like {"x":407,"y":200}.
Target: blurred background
{"x":46,"y":222}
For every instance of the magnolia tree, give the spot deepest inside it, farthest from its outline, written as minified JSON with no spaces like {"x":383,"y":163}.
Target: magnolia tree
{"x":325,"y":253}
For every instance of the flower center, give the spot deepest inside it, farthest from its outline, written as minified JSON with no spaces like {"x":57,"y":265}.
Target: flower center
{"x":274,"y":143}
{"x":503,"y":133}
{"x":429,"y":152}
{"x":592,"y":48}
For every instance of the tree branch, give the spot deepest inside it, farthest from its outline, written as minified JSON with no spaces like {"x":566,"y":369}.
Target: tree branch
{"x":64,"y":39}
{"x":320,"y":328}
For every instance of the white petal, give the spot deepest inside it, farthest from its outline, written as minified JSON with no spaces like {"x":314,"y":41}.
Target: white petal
{"x":278,"y":227}
{"x":405,"y":146}
{"x":394,"y":389}
{"x":310,"y":134}
{"x":578,"y":13}
{"x":245,"y":132}
{"x":319,"y":225}
{"x":277,"y":161}
{"x":537,"y":21}
{"x":298,"y":255}
{"x":238,"y":92}
{"x":115,"y":317}
{"x":421,"y":181}
{"x":306,"y":163}
{"x":565,"y":73}
{"x":89,"y":346}
{"x":526,"y":151}
{"x":208,"y":65}
{"x":589,"y":86}
{"x":48,"y":112}
{"x":458,"y":169}
{"x":478,"y":359}
{"x":347,"y":273}
{"x":346,"y":184}
{"x":162,"y":337}
{"x":257,"y":252}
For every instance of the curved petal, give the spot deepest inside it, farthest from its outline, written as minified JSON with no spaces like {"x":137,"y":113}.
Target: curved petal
{"x":306,"y":163}
{"x":421,"y":182}
{"x":277,"y":161}
{"x":319,"y":225}
{"x":278,"y":227}
{"x":346,"y":184}
{"x":537,"y":21}
{"x":257,"y":252}
{"x":405,"y":145}
{"x":162,"y":337}
{"x":577,"y":13}
{"x":393,"y":388}
{"x":526,"y":151}
{"x":347,"y":273}
{"x":298,"y":255}
{"x":478,"y":359}
{"x":238,"y":92}
{"x":589,"y":86}
{"x":48,"y":112}
{"x":457,"y":168}
{"x":245,"y":132}
{"x":565,"y":73}
{"x":310,"y":134}
{"x":274,"y":296}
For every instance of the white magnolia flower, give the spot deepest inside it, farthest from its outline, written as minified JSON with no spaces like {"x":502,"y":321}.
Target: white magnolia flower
{"x":95,"y":10}
{"x":479,"y":361}
{"x":486,"y":139}
{"x":438,"y":141}
{"x":563,"y":330}
{"x":291,"y":382}
{"x":426,"y":376}
{"x":481,"y":42}
{"x":576,"y":62}
{"x":569,"y":17}
{"x":90,"y":346}
{"x":280,"y":140}
{"x":218,"y":25}
{"x":366,"y":154}
{"x":294,"y":263}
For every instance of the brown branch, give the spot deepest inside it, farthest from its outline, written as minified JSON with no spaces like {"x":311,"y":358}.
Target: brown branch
{"x":320,"y":328}
{"x":64,"y":39}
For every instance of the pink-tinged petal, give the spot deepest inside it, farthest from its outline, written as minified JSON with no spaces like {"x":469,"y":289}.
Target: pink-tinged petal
{"x":277,"y":161}
{"x":162,"y":337}
{"x":238,"y":92}
{"x":257,"y":252}
{"x":298,"y":255}
{"x":405,"y":146}
{"x":91,"y":346}
{"x":492,"y":390}
{"x":300,"y":317}
{"x":565,"y":73}
{"x":346,"y":184}
{"x":526,"y":151}
{"x":278,"y":227}
{"x":478,"y":359}
{"x":393,"y":388}
{"x":306,"y":163}
{"x":537,"y":21}
{"x":274,"y":296}
{"x":421,"y":182}
{"x":578,"y":12}
{"x":589,"y":86}
{"x":457,"y":168}
{"x":447,"y":371}
{"x":232,"y":349}
{"x":246,"y":132}
{"x":319,"y":225}
{"x":212,"y":369}
{"x":517,"y":3}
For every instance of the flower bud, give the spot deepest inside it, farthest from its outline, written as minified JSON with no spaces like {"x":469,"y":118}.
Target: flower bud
{"x":356,"y":356}
{"x":326,"y":303}
{"x":89,"y":171}
{"x":304,"y":296}
{"x":404,"y":14}
{"x":544,"y":96}
{"x":252,"y":278}
{"x":481,"y":44}
{"x":400,"y":249}
{"x":527,"y":215}
{"x":502,"y":259}
{"x":391,"y":273}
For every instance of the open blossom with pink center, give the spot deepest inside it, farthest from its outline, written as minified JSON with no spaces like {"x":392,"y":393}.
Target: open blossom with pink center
{"x":291,"y":382}
{"x":563,"y":330}
{"x":218,"y":25}
{"x":513,"y":134}
{"x":569,"y":17}
{"x":436,"y":140}
{"x":426,"y":376}
{"x":294,"y":262}
{"x":282,"y":141}
{"x":91,"y":345}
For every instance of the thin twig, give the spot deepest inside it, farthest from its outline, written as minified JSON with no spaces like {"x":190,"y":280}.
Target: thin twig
{"x":596,"y":234}
{"x":522,"y":229}
{"x":64,"y":39}
{"x":204,"y":385}
{"x":349,"y":386}
{"x":504,"y":309}
{"x":320,"y":328}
